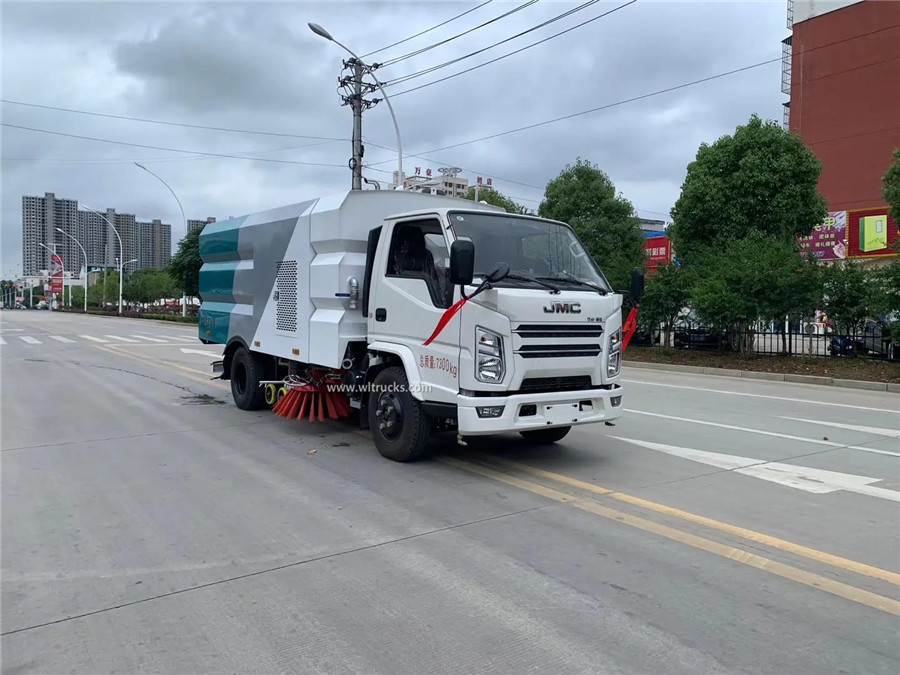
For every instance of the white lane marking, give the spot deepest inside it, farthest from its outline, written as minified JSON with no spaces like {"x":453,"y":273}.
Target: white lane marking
{"x":93,"y":339}
{"x":2,"y":341}
{"x":29,"y":340}
{"x":878,"y":431}
{"x":149,"y":339}
{"x":200,"y":351}
{"x":788,"y":437}
{"x":817,"y":481}
{"x":60,"y":338}
{"x":121,"y":339}
{"x":13,"y":330}
{"x":775,"y":398}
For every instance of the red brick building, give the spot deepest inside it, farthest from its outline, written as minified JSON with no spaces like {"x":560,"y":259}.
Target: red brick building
{"x":842,"y":71}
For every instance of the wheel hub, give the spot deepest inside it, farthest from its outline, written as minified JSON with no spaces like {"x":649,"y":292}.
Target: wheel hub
{"x":390,"y":415}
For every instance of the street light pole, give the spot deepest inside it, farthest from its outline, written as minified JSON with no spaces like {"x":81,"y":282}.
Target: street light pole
{"x":84,"y":254}
{"x":183,"y":218}
{"x":359,"y":68}
{"x":121,"y":251}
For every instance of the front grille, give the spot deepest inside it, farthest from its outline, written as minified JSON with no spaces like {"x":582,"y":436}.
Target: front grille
{"x":559,"y":330}
{"x":539,"y":385}
{"x":557,"y":351}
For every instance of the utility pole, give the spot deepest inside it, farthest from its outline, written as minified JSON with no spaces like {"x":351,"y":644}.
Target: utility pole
{"x":357,"y":104}
{"x":356,"y":89}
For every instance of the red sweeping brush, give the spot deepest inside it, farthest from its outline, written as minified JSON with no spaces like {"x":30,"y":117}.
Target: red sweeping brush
{"x":316,"y":400}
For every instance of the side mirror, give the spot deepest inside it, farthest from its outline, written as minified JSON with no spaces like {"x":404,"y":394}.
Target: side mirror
{"x":462,"y":262}
{"x":501,"y":271}
{"x":637,"y":285}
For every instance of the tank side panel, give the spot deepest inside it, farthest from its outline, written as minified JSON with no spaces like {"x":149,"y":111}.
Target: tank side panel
{"x":219,"y":252}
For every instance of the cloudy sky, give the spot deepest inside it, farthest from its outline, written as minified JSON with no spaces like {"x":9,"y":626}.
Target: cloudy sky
{"x":257,"y":67}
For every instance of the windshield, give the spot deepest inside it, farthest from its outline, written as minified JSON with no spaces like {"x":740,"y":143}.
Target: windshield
{"x":534,"y":248}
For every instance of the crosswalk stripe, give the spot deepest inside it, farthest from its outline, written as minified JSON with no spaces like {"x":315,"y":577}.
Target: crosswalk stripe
{"x":147,"y":337}
{"x":60,"y":338}
{"x":93,"y":339}
{"x":121,"y":339}
{"x":29,"y":340}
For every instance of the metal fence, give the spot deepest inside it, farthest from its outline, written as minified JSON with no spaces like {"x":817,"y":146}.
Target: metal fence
{"x":809,"y":340}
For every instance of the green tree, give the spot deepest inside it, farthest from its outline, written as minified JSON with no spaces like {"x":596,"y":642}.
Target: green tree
{"x":891,"y":189}
{"x":148,"y":286}
{"x":749,"y":281}
{"x":184,"y":267}
{"x":495,"y":198}
{"x":584,"y":197}
{"x":760,"y":179}
{"x":105,"y":291}
{"x":847,"y":295}
{"x":666,"y":296}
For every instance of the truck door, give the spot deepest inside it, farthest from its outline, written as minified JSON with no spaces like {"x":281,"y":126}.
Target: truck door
{"x":411,"y":290}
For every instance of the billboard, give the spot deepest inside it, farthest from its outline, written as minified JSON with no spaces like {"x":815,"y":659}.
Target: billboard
{"x":828,"y":240}
{"x":56,"y":273}
{"x":658,"y":250}
{"x":870,"y":233}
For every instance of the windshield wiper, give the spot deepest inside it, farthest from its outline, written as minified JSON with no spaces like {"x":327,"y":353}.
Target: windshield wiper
{"x":601,"y":291}
{"x":536,"y":280}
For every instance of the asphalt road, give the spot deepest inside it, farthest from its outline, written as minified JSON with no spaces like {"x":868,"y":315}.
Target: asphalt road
{"x":150,"y":526}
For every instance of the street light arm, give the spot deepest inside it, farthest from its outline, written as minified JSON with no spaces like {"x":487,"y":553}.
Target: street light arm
{"x":169,"y":188}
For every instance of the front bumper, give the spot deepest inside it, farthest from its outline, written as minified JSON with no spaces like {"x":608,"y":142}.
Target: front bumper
{"x":523,"y":412}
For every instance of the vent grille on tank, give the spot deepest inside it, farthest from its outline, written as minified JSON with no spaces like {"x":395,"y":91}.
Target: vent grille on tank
{"x":286,"y":304}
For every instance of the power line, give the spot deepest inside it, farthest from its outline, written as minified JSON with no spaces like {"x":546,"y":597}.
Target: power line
{"x":156,"y":147}
{"x":428,"y":30}
{"x":155,"y":160}
{"x":658,"y":92}
{"x":171,"y":124}
{"x":558,"y":17}
{"x":391,"y":62}
{"x":500,"y":58}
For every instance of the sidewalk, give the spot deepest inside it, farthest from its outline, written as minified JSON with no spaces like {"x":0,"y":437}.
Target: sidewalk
{"x":774,"y":377}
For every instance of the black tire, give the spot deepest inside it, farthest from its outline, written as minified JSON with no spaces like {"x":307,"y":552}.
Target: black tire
{"x":406,"y":434}
{"x":245,"y":378}
{"x":545,"y":436}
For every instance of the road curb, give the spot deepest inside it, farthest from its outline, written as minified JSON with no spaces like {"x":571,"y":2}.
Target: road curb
{"x":772,"y":377}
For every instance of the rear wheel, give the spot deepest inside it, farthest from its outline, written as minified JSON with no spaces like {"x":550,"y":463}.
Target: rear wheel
{"x":245,"y":378}
{"x":545,"y":436}
{"x":399,"y":425}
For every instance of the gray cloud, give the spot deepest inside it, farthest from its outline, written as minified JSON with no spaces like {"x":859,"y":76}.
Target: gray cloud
{"x":256,"y":66}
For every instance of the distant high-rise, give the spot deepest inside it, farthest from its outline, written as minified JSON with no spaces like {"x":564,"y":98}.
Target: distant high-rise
{"x":199,"y":224}
{"x":155,"y":248}
{"x":148,"y":243}
{"x":40,"y":218}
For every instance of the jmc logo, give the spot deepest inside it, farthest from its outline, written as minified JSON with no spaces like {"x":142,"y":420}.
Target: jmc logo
{"x":563,"y":308}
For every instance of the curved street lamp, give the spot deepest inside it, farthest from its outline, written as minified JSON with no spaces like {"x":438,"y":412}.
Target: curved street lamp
{"x":183,"y":218}
{"x":321,"y":32}
{"x":121,"y":250}
{"x":83,"y":253}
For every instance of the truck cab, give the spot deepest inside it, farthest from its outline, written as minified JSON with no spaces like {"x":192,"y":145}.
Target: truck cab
{"x":535,"y":348}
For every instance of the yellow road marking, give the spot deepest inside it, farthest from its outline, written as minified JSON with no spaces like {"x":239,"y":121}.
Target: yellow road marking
{"x":751,"y":535}
{"x":837,"y":588}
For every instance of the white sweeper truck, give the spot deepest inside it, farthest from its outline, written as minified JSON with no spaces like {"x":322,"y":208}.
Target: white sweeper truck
{"x":417,"y":313}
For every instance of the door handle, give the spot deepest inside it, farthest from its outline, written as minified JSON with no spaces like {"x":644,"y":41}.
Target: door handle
{"x":380,"y":314}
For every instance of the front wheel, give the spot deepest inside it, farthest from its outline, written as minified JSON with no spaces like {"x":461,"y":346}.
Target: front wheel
{"x":399,"y":424}
{"x":545,"y":436}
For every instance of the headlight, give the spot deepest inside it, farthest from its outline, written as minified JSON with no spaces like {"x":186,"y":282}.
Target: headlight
{"x":488,"y":356}
{"x":615,"y":354}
